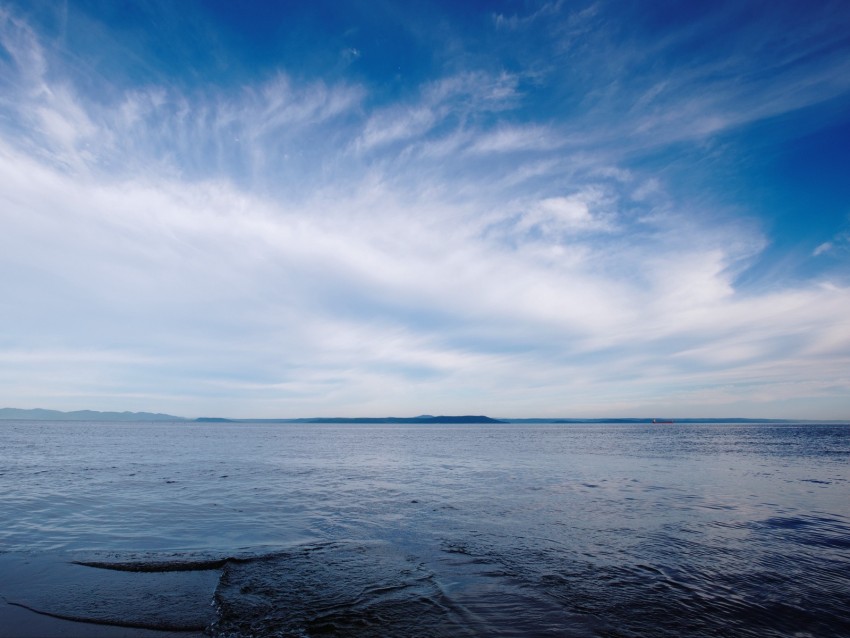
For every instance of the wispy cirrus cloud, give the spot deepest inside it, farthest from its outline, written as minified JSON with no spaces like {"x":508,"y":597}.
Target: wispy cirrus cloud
{"x":291,"y":248}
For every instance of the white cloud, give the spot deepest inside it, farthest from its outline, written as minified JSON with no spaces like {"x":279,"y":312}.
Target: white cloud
{"x":360,"y":294}
{"x":474,"y":92}
{"x":515,"y":21}
{"x":516,"y":138}
{"x":839,"y":244}
{"x":822,"y":248}
{"x":447,"y":102}
{"x":165,"y":249}
{"x":555,"y":215}
{"x":399,"y":125}
{"x":347,"y":297}
{"x":22,"y":44}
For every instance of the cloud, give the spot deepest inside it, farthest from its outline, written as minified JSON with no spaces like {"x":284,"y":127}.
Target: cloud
{"x":835,"y":247}
{"x":309,"y":307}
{"x":290,"y":248}
{"x":350,"y":54}
{"x":516,"y":138}
{"x":567,"y":214}
{"x":445,"y":106}
{"x":822,"y":248}
{"x":515,"y":21}
{"x":399,"y":126}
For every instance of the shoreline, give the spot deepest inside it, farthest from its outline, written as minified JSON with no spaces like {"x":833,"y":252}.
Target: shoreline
{"x":18,"y":622}
{"x":47,"y":595}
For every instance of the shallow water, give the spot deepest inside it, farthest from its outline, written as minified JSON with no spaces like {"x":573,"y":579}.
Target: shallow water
{"x":430,"y":530}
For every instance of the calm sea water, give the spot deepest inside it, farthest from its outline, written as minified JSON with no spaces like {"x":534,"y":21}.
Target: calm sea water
{"x":431,"y":530}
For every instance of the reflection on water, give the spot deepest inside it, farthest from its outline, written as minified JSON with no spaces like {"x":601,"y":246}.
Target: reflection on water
{"x":436,"y":530}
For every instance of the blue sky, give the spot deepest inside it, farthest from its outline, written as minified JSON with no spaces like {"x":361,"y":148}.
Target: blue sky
{"x":576,"y":209}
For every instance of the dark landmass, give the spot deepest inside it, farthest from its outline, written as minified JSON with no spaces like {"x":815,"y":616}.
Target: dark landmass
{"x":416,"y":419}
{"x":388,"y":419}
{"x":39,"y":414}
{"x":658,"y":420}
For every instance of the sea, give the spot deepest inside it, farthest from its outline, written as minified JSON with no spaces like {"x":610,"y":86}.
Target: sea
{"x":291,"y":529}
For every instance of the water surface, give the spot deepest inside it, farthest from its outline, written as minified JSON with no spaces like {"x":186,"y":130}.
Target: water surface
{"x":430,"y":530}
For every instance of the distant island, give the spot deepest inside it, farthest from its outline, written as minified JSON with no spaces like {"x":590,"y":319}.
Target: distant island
{"x":387,"y":419}
{"x":39,"y":414}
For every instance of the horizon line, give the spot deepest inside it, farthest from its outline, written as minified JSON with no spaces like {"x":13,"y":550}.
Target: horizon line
{"x":9,"y":413}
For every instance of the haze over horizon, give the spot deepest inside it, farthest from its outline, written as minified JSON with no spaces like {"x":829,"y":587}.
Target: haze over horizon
{"x":545,"y":209}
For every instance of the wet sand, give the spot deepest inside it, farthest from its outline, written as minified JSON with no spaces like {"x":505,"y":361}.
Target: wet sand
{"x":17,"y":622}
{"x":45,"y":596}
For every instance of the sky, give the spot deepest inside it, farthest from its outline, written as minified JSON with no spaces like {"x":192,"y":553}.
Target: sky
{"x":371,"y":208}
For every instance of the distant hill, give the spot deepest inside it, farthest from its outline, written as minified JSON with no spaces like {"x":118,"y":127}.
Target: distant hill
{"x":650,"y":420}
{"x":415,"y":419}
{"x":39,"y":414}
{"x":366,"y":419}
